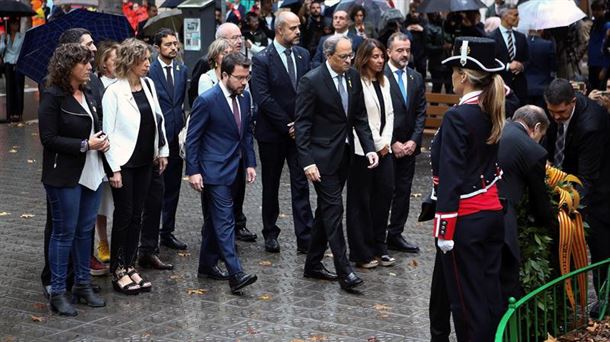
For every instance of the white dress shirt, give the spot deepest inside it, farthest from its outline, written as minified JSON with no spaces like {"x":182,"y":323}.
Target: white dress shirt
{"x":228,"y":98}
{"x":505,"y":34}
{"x":93,"y":171}
{"x":280,"y":50}
{"x":404,"y":76}
{"x":163,"y":66}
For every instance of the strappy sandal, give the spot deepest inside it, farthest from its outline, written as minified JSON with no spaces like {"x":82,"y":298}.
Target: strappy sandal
{"x":145,"y":286}
{"x":123,"y":283}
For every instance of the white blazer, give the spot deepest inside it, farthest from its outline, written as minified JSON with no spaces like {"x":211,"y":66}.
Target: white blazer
{"x":122,"y":121}
{"x":373,"y":111}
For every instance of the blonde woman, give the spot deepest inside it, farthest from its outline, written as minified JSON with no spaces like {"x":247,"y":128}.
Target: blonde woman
{"x":217,"y":50}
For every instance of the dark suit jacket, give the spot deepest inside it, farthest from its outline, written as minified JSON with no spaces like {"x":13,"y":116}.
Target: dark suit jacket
{"x":516,"y":82}
{"x":171,"y":104}
{"x":214,"y":145}
{"x":542,"y":64}
{"x":322,"y":126}
{"x":273,"y":92}
{"x":409,"y":118}
{"x":320,"y":58}
{"x":523,"y":162}
{"x":587,"y":149}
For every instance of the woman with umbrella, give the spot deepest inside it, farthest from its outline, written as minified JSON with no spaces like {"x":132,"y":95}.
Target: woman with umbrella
{"x":10,"y":47}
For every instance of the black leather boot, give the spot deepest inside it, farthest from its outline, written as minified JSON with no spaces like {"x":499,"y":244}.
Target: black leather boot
{"x":84,"y":293}
{"x":61,"y":305}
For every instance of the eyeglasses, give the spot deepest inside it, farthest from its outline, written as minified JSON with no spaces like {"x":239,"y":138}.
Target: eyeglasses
{"x":242,"y":78}
{"x":346,"y":56}
{"x":235,"y":38}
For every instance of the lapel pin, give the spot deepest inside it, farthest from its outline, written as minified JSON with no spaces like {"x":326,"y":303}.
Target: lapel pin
{"x":177,"y":68}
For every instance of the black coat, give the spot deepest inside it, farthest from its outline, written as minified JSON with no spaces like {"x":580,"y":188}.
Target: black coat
{"x":523,"y":162}
{"x":409,"y":118}
{"x":587,"y":150}
{"x":516,"y":82}
{"x":322,"y":126}
{"x":63,"y":125}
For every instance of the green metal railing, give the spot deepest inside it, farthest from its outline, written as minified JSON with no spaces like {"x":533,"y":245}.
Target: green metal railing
{"x":547,"y":310}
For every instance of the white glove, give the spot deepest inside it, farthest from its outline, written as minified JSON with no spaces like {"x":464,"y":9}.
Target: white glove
{"x":445,"y":245}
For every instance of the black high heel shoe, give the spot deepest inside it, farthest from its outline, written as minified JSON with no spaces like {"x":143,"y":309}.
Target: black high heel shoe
{"x":84,"y":293}
{"x":129,"y":288}
{"x":145,"y":286}
{"x":61,"y":305}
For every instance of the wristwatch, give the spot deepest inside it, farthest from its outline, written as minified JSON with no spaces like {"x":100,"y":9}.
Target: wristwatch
{"x":84,"y":146}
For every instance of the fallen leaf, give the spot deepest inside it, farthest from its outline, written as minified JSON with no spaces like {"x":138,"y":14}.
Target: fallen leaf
{"x":265,"y":263}
{"x":31,"y":161}
{"x":550,"y":338}
{"x":372,"y":339}
{"x":40,"y":306}
{"x":413,"y":263}
{"x":382,"y":307}
{"x":196,"y":291}
{"x":4,"y":213}
{"x":392,"y":274}
{"x":297,"y":340}
{"x":592,"y":327}
{"x":37,"y":318}
{"x":416,"y":195}
{"x":265,"y":297}
{"x":12,"y":150}
{"x":251,"y":331}
{"x":317,"y":338}
{"x":175,"y":277}
{"x":184,"y":254}
{"x":283,"y":215}
{"x":27,"y":216}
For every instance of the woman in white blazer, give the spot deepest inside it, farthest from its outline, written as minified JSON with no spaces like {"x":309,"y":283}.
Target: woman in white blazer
{"x":133,"y":122}
{"x":369,"y":191}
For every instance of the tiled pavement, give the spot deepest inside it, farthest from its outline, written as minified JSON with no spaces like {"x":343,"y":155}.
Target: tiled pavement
{"x":281,"y":306}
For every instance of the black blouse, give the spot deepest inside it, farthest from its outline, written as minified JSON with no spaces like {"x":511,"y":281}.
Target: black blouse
{"x":144,"y":151}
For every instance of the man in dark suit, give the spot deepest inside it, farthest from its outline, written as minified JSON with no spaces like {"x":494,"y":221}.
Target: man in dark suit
{"x":218,"y":149}
{"x":330,"y":105}
{"x":341,"y":24}
{"x":578,"y":143}
{"x":275,"y":75}
{"x":541,"y":68}
{"x":409,"y":102}
{"x":512,"y":50}
{"x":523,"y":162}
{"x":170,"y":79}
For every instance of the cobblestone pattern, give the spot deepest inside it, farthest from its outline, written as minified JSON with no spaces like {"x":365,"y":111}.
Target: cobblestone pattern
{"x":281,"y":306}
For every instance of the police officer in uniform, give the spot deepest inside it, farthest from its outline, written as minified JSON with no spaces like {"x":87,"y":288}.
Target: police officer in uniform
{"x":468,"y":223}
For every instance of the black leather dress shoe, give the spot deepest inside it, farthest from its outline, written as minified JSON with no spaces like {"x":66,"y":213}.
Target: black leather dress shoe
{"x":153,"y":261}
{"x":170,"y":241}
{"x":350,"y":281}
{"x":398,"y":243}
{"x":214,"y":273}
{"x":241,"y":280}
{"x":243,"y":234}
{"x":272,"y":246}
{"x":320,"y":273}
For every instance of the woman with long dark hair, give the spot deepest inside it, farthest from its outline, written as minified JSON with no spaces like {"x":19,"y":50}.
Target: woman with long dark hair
{"x":10,"y":47}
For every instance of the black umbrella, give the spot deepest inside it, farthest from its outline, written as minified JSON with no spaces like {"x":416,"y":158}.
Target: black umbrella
{"x":13,"y":8}
{"x":291,"y":4}
{"x":429,"y":6}
{"x":171,"y":3}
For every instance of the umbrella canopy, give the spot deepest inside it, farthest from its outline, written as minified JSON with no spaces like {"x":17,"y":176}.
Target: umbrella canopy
{"x":12,"y":8}
{"x":91,"y":3}
{"x":40,"y":42}
{"x":544,"y":14}
{"x":171,"y":3}
{"x":291,"y":4}
{"x":429,"y":6}
{"x":166,"y":19}
{"x":374,"y":9}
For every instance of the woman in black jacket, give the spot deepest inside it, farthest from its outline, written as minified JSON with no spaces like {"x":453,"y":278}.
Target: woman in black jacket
{"x":72,"y":172}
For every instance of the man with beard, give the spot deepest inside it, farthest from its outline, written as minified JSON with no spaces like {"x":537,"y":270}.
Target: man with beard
{"x":313,"y":28}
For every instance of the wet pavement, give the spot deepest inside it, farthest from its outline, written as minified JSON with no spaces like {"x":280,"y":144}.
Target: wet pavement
{"x":281,"y":306}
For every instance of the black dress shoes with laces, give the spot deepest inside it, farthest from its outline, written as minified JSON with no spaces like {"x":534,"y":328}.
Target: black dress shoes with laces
{"x":398,"y":243}
{"x":170,"y":241}
{"x":241,"y":280}
{"x":272,"y":246}
{"x":244,"y":234}
{"x":350,"y":281}
{"x":214,"y":273}
{"x":320,"y":273}
{"x":153,"y":261}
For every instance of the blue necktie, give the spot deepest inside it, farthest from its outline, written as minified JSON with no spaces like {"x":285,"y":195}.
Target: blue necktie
{"x":401,"y":84}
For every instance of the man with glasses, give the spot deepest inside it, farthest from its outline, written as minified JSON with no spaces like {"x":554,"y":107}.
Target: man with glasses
{"x":220,"y":153}
{"x":341,"y":24}
{"x":330,"y":106}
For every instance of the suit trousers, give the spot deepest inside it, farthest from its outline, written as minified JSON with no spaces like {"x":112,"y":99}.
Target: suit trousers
{"x":328,"y":221}
{"x":439,"y":310}
{"x":272,"y":156}
{"x":404,"y":169}
{"x":127,"y":218}
{"x":151,"y":217}
{"x":472,"y":276}
{"x":238,"y":190}
{"x":172,"y":177}
{"x":598,"y":240}
{"x":369,"y":195}
{"x":218,"y":231}
{"x":15,"y":83}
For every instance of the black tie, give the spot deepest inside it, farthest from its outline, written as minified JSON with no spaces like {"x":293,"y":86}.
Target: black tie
{"x":170,"y":80}
{"x":290,"y":65}
{"x":559,"y":145}
{"x":511,"y":45}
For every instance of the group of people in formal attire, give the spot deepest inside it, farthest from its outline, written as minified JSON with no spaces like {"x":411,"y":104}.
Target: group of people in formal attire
{"x":348,"y":114}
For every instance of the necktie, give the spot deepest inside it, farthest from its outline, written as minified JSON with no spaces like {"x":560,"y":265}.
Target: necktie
{"x":170,"y":80}
{"x":401,"y":84}
{"x":236,"y":115}
{"x":290,"y":66}
{"x":342,"y":93}
{"x":559,"y":145}
{"x":511,"y":45}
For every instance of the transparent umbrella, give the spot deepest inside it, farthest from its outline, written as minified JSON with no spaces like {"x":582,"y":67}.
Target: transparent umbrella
{"x":374,"y":9}
{"x":544,"y":14}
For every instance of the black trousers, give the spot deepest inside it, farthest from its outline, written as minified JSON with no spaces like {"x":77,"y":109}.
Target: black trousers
{"x":598,"y":240}
{"x":15,"y":83}
{"x":127,"y":218}
{"x":172,"y":178}
{"x":594,"y":81}
{"x":472,"y":276}
{"x":440,"y":78}
{"x":369,"y":195}
{"x":151,"y":217}
{"x":404,"y":169}
{"x":328,"y":221}
{"x":272,"y":156}
{"x":439,"y":310}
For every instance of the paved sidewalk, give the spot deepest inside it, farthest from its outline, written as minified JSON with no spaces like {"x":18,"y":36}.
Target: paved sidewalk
{"x":281,"y":306}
